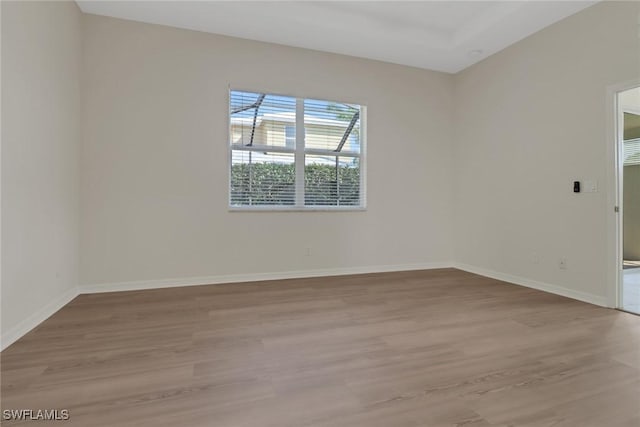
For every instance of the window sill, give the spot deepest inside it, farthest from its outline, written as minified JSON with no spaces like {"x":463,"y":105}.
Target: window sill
{"x":297,"y":209}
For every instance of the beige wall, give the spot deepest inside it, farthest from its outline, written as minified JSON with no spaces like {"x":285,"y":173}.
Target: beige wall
{"x":631,"y":126}
{"x":524,"y":139}
{"x":154,"y":161}
{"x":153,"y":195}
{"x":41,"y":49}
{"x":631,"y":225}
{"x":629,"y":100}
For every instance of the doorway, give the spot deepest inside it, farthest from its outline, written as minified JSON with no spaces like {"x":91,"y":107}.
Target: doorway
{"x":629,"y":198}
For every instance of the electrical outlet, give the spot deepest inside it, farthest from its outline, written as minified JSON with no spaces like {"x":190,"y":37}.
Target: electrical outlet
{"x":562,"y":263}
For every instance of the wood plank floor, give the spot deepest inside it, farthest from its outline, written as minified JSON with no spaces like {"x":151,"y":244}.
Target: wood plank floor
{"x":429,"y":348}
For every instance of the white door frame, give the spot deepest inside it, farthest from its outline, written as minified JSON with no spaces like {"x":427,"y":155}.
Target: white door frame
{"x":615,"y":166}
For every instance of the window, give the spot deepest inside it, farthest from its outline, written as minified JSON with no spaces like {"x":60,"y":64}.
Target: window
{"x":294,"y":153}
{"x":631,"y":152}
{"x":290,"y":136}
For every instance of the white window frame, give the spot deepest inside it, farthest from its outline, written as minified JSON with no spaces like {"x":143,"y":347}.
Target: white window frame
{"x":299,"y":152}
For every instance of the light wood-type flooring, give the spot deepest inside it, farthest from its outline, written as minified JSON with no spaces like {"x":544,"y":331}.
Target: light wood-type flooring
{"x":425,"y":348}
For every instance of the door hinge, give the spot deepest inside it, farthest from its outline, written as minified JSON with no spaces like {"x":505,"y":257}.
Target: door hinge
{"x":616,"y":208}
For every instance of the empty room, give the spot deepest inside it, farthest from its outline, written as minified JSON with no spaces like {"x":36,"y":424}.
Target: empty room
{"x":320,"y":213}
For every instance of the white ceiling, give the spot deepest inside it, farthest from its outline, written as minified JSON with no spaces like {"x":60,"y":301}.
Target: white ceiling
{"x":437,"y":35}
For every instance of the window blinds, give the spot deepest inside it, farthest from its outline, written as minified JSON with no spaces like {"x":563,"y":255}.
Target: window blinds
{"x":294,"y":153}
{"x":631,"y":152}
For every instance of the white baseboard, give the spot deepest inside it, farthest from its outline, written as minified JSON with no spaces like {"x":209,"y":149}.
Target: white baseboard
{"x":45,"y":312}
{"x":257,"y":277}
{"x":529,"y":283}
{"x":36,"y":318}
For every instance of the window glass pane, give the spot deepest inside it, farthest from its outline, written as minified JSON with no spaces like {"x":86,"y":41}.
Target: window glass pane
{"x":262,"y":178}
{"x":631,"y":152}
{"x":262,"y":140}
{"x":329,"y":124}
{"x":290,"y":136}
{"x":332,"y":181}
{"x":261,"y":119}
{"x":349,"y":179}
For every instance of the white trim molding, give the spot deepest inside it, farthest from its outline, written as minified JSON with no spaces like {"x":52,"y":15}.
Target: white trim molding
{"x":256,"y":277}
{"x":614,"y":190}
{"x":541,"y":286}
{"x":45,"y":312}
{"x":22,"y":328}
